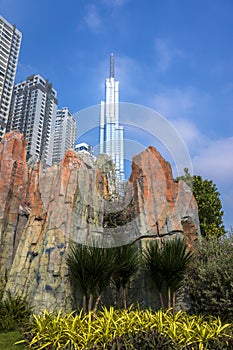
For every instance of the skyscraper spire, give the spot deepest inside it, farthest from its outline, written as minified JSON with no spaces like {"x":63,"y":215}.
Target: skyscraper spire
{"x":111,"y":133}
{"x":112,"y":65}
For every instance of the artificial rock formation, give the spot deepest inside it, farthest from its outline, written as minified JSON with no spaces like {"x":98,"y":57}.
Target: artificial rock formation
{"x":80,"y":200}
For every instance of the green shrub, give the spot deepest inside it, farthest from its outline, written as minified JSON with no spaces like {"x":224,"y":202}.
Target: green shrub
{"x":15,"y":312}
{"x":210,"y":279}
{"x":142,"y":340}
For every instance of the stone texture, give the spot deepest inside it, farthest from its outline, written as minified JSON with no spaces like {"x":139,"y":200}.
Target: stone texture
{"x":80,"y":200}
{"x":13,"y":182}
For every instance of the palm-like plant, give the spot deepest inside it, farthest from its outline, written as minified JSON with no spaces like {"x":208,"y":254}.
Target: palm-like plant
{"x":126,"y":259}
{"x":167,"y":263}
{"x":153,"y":262}
{"x":90,"y":270}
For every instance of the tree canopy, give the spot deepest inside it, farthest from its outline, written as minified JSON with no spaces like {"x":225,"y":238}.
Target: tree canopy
{"x":209,"y":204}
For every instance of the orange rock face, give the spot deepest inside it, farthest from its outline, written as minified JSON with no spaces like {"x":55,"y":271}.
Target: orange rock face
{"x":41,"y":211}
{"x":161,"y":202}
{"x":13,"y":189}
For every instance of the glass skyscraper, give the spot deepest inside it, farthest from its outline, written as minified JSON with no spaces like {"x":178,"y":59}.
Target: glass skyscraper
{"x":111,"y":133}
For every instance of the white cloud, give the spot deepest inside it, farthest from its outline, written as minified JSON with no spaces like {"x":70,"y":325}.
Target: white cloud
{"x":115,"y":3}
{"x":129,"y":73}
{"x":92,"y":18}
{"x":175,"y":103}
{"x":166,"y":54}
{"x":216,"y":160}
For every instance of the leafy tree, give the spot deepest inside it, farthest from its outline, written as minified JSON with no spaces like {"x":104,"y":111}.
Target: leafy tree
{"x":90,"y":271}
{"x":126,"y":264}
{"x":209,"y":204}
{"x":210,"y":278}
{"x":167,"y":263}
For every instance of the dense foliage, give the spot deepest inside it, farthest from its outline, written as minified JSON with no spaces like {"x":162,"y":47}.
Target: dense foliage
{"x":209,"y":204}
{"x":90,"y":271}
{"x":210,"y":280}
{"x":15,"y":312}
{"x":131,"y":329}
{"x":93,"y":269}
{"x":167,"y":263}
{"x":126,"y":264}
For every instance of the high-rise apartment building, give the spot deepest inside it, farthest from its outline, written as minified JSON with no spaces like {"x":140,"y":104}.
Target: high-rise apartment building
{"x":111,"y":133}
{"x":10,"y":41}
{"x":65,"y":133}
{"x":33,"y":113}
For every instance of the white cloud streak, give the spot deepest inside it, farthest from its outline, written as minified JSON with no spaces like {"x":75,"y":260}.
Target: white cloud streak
{"x":166,"y":55}
{"x":92,"y":18}
{"x":114,"y":3}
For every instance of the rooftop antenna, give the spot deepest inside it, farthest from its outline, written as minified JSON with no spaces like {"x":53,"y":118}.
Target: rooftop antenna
{"x":112,"y":65}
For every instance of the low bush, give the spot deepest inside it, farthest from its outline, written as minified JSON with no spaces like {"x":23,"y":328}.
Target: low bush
{"x":128,"y":329}
{"x":141,"y":340}
{"x":15,"y":312}
{"x":210,"y":277}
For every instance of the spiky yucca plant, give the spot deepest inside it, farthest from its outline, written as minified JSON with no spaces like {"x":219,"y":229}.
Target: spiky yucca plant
{"x":167,"y":263}
{"x":90,"y":270}
{"x":126,"y":264}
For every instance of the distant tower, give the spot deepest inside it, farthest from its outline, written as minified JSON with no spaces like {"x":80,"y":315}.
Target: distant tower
{"x":10,"y":41}
{"x":111,"y":134}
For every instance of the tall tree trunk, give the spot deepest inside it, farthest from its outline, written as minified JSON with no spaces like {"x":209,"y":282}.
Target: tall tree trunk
{"x":125,"y":297}
{"x":85,"y":303}
{"x":90,"y":302}
{"x":97,"y":303}
{"x":169,"y":297}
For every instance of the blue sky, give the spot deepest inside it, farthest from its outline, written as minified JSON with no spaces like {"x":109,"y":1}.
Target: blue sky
{"x":172,"y":56}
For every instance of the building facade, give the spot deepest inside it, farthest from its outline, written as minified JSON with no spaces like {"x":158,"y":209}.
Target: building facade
{"x":111,"y":133}
{"x":10,"y":41}
{"x":33,"y":113}
{"x":65,"y":133}
{"x":84,"y":148}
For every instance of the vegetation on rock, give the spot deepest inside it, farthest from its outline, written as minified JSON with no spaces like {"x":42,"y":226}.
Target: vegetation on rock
{"x":209,"y":204}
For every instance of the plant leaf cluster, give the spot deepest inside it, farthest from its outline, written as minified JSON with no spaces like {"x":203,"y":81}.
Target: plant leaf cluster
{"x":167,"y":262}
{"x":15,"y":312}
{"x":131,"y":329}
{"x":92,"y":269}
{"x":210,"y":277}
{"x":209,"y":204}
